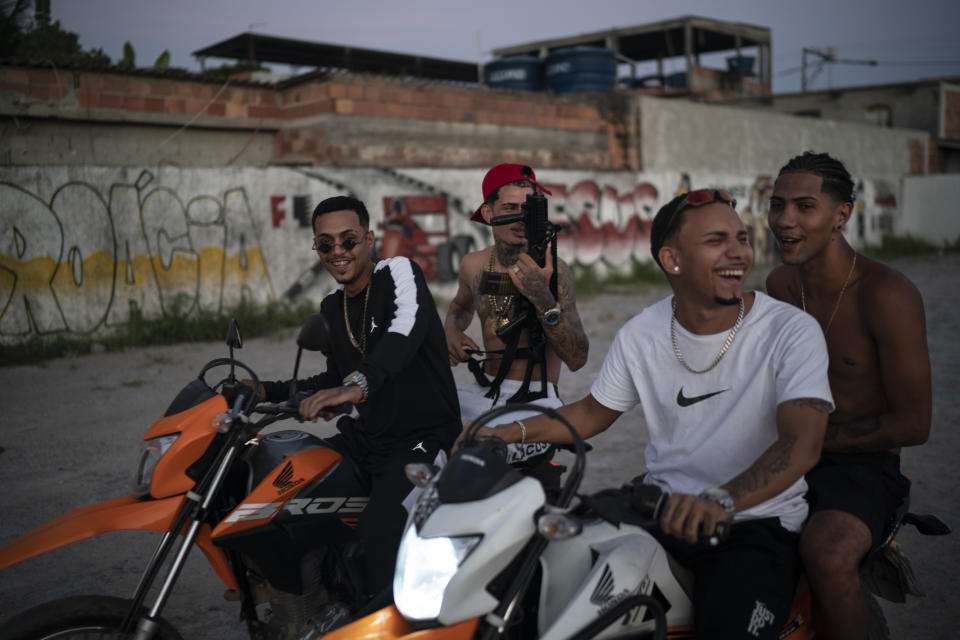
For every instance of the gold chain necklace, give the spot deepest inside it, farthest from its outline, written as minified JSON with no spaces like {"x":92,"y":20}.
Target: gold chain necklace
{"x":362,"y":345}
{"x":501,"y":309}
{"x":803,"y":299}
{"x":723,"y":349}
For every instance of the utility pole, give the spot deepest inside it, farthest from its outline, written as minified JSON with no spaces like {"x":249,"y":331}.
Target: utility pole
{"x":827,"y":55}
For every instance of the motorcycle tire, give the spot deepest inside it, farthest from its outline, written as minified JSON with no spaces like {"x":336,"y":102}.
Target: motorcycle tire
{"x":77,"y":618}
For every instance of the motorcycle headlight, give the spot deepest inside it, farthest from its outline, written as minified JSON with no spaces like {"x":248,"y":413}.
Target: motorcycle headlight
{"x":425,"y":567}
{"x":150,"y":455}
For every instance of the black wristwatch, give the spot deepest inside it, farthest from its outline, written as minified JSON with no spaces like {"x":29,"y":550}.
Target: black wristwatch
{"x":551,"y":317}
{"x":359,"y":380}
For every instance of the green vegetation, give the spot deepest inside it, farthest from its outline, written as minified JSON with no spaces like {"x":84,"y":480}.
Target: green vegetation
{"x":175,"y":327}
{"x":642,"y":275}
{"x":225,"y":70}
{"x":28,"y":34}
{"x":903,"y":246}
{"x":129,"y":60}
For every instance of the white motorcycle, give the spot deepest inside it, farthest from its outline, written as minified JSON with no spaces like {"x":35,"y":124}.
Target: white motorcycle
{"x":485,"y":555}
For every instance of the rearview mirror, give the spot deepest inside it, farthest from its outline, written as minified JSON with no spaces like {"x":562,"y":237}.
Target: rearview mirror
{"x":314,"y":334}
{"x":234,"y":339}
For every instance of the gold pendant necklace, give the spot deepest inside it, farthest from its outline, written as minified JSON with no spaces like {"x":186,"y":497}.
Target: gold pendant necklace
{"x":501,"y":309}
{"x":360,"y":346}
{"x":803,"y":299}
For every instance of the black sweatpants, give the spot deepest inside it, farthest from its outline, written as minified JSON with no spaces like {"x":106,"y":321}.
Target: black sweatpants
{"x":381,"y":523}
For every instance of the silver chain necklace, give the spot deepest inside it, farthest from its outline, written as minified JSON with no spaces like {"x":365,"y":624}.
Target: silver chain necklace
{"x":723,"y":350}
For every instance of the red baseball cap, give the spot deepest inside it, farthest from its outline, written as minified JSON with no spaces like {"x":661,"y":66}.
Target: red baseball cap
{"x":505,"y":174}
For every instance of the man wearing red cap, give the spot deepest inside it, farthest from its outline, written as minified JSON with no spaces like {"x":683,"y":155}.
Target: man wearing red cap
{"x":531,"y":375}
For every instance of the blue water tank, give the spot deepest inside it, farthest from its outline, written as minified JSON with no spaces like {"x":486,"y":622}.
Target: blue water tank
{"x":581,"y":69}
{"x":740,"y":64}
{"x":521,"y":73}
{"x":677,"y":80}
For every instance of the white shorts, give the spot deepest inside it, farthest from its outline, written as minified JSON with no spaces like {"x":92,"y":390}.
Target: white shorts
{"x":473,"y":402}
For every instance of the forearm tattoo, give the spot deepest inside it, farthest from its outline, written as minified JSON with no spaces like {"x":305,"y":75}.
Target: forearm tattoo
{"x":761,"y":473}
{"x":568,"y":338}
{"x":860,"y":433}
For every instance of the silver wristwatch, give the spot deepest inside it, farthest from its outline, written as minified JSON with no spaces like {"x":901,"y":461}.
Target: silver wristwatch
{"x":721,"y":496}
{"x":357,"y":379}
{"x":551,"y":317}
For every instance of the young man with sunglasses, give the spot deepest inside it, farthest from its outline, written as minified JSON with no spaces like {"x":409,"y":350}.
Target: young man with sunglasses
{"x":734,"y":391}
{"x":875,"y":330}
{"x":527,"y":372}
{"x":388,"y":357}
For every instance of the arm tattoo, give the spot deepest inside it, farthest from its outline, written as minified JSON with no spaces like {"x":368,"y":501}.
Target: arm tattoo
{"x":773,"y":462}
{"x":568,"y":338}
{"x":849,"y":433}
{"x":818,"y":405}
{"x":461,"y":317}
{"x":480,"y":302}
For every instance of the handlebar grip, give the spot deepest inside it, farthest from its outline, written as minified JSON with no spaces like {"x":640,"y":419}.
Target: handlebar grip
{"x":292,"y":407}
{"x":343,"y":407}
{"x":720,"y":534}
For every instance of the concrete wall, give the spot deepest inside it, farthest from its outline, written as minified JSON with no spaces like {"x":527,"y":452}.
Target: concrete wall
{"x":930,"y":208}
{"x":712,"y":137}
{"x":912,"y":106}
{"x":81,"y":246}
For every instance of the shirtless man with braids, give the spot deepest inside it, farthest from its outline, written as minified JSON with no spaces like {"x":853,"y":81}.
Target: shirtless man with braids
{"x":873,"y":320}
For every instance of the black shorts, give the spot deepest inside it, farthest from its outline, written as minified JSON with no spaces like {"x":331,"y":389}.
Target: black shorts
{"x":868,"y":486}
{"x":744,"y":587}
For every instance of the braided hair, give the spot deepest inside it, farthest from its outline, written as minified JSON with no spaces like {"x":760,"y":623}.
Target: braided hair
{"x":837,"y":182}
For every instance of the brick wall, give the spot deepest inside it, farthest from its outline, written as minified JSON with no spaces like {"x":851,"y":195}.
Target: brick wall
{"x":347,"y":120}
{"x":951,"y":115}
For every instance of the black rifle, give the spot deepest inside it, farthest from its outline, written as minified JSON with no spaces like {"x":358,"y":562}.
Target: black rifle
{"x":541,"y":237}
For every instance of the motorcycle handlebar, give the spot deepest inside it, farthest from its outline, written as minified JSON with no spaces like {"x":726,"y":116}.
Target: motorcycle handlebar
{"x":291,"y":408}
{"x":643,"y":504}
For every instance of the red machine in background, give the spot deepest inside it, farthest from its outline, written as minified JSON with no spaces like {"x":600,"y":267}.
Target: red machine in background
{"x":410,"y":223}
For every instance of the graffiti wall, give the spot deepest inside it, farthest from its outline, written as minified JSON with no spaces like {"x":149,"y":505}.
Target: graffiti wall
{"x":82,"y":248}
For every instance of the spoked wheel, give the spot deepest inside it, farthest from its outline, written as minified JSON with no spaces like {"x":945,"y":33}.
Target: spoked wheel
{"x":77,"y":618}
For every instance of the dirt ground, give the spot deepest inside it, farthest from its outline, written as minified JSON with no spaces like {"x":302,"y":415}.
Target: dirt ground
{"x":70,"y":431}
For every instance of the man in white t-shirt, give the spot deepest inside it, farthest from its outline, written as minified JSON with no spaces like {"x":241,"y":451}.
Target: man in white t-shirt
{"x":735,"y":394}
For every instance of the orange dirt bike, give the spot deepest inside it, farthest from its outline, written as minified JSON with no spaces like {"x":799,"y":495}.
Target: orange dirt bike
{"x":486,"y":554}
{"x":274,"y":515}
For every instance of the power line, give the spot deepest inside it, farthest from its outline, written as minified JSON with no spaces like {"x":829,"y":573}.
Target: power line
{"x":877,"y":63}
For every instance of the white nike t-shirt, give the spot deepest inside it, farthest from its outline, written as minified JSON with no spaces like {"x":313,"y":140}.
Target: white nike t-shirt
{"x":707,"y":428}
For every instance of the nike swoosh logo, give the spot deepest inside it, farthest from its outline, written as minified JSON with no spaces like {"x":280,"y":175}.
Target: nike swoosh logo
{"x":684,"y":401}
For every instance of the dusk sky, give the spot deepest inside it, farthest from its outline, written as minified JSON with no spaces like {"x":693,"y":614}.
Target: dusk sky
{"x":910,"y":40}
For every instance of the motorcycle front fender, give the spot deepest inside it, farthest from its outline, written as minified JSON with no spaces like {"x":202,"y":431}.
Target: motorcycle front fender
{"x":120,"y":514}
{"x":388,"y":624}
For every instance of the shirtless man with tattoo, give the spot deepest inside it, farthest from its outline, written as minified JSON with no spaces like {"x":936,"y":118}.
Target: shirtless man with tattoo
{"x":734,"y":391}
{"x":505,"y":188}
{"x":876,"y":336}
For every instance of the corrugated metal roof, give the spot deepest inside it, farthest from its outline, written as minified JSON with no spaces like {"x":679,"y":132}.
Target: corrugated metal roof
{"x":262,"y":48}
{"x":663,"y":39}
